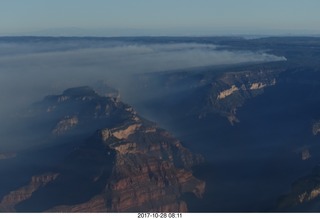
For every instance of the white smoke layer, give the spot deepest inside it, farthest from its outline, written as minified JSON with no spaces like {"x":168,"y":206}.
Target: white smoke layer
{"x":31,"y":70}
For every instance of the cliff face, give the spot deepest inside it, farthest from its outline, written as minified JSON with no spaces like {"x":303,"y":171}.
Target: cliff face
{"x":199,"y":92}
{"x":151,"y":172}
{"x":303,"y":192}
{"x":65,"y":124}
{"x":127,"y":165}
{"x":25,"y":192}
{"x":76,"y":113}
{"x":232,"y":89}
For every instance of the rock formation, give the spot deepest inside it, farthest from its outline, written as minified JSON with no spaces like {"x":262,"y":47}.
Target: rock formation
{"x":304,"y":191}
{"x":65,"y":124}
{"x":127,"y":165}
{"x":25,"y":192}
{"x":232,"y":89}
{"x":202,"y":91}
{"x":225,"y":93}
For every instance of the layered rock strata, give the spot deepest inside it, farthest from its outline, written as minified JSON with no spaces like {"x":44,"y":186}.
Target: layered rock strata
{"x":127,"y":165}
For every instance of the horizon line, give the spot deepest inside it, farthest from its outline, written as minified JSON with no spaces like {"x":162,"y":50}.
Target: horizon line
{"x":156,"y":36}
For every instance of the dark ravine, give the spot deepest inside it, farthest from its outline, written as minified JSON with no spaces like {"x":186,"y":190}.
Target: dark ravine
{"x":125,"y":164}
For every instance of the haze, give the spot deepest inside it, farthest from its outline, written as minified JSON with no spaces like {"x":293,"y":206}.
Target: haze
{"x":31,"y":70}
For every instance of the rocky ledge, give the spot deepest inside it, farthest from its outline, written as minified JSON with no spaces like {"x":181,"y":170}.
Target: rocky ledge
{"x":232,"y":89}
{"x":305,"y":193}
{"x":128,"y":164}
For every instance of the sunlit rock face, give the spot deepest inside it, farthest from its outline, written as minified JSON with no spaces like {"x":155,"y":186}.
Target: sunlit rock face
{"x":207,"y":91}
{"x":225,"y":93}
{"x":231,"y":90}
{"x":126,"y":164}
{"x":65,"y":124}
{"x":305,"y":191}
{"x":25,"y":192}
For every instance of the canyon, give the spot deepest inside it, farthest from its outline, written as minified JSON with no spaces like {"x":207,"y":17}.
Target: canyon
{"x":132,"y":165}
{"x":239,"y":137}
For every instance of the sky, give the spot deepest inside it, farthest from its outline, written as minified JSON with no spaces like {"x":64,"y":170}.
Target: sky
{"x":158,"y":17}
